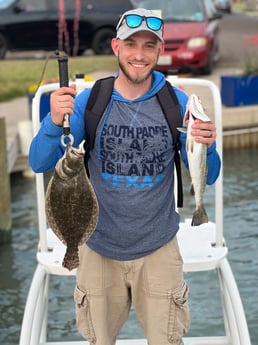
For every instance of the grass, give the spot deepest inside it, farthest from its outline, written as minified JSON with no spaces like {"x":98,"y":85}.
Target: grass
{"x":18,"y":75}
{"x":240,"y":6}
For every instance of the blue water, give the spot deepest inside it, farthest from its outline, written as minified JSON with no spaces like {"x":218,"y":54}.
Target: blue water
{"x":18,"y":260}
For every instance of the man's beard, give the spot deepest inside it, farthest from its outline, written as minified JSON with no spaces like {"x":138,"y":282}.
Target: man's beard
{"x":137,"y":79}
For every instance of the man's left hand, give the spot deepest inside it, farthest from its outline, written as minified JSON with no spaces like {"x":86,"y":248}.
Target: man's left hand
{"x":204,"y":132}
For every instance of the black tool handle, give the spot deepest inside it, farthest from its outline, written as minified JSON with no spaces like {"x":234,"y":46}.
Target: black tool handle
{"x":63,"y":71}
{"x":64,"y":81}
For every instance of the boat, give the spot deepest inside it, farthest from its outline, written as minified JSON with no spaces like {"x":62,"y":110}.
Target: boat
{"x":202,"y":250}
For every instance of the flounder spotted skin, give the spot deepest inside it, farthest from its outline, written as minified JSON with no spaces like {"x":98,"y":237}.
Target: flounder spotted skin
{"x":71,"y":204}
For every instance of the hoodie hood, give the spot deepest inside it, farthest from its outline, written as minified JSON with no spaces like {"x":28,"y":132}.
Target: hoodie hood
{"x":158,"y":81}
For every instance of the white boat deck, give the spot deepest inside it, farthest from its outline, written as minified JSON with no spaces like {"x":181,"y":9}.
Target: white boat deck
{"x":202,"y":249}
{"x":187,"y":341}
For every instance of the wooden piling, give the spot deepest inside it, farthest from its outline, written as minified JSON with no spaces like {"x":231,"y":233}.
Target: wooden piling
{"x":5,"y":194}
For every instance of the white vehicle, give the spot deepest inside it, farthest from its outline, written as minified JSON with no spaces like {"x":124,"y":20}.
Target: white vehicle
{"x":223,"y":5}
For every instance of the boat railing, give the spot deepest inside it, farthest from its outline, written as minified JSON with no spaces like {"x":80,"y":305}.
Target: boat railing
{"x":202,"y":249}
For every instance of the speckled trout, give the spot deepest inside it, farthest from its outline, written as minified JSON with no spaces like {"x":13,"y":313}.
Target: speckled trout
{"x":196,"y":154}
{"x":71,"y":204}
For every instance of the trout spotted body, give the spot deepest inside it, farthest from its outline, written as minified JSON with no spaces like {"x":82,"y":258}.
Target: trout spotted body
{"x":196,"y":155}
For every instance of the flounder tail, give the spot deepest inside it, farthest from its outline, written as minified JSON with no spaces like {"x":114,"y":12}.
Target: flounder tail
{"x":71,"y":258}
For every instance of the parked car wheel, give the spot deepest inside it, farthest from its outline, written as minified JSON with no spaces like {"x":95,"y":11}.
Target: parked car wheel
{"x":101,"y":43}
{"x":207,"y":70}
{"x":3,"y":46}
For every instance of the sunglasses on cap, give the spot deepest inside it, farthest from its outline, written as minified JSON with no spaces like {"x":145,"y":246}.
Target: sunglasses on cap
{"x":134,"y":21}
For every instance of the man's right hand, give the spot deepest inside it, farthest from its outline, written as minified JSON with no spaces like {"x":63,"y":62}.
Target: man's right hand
{"x":61,"y":103}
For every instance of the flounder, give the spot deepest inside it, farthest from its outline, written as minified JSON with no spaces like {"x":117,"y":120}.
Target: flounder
{"x":71,"y":204}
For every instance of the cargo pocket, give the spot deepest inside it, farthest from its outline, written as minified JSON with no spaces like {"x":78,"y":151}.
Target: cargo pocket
{"x":179,"y":318}
{"x":83,"y":315}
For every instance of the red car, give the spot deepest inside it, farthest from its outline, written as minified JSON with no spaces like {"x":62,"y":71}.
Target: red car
{"x":191,"y":34}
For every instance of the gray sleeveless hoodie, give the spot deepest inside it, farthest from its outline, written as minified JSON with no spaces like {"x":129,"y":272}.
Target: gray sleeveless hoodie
{"x":131,"y":169}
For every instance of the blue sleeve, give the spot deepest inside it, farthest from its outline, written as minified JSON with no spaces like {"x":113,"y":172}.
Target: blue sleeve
{"x":46,"y":147}
{"x":213,"y":158}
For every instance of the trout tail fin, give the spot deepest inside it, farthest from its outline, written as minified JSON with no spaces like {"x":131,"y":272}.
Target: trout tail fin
{"x":199,"y":216}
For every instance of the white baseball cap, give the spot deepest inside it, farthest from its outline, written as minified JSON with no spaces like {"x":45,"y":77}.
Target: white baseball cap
{"x":144,"y":20}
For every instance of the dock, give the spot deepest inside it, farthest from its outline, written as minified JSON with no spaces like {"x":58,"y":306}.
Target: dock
{"x":13,"y":155}
{"x":16,"y":115}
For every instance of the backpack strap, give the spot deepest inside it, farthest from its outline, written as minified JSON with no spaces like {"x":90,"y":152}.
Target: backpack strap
{"x":170,"y":106}
{"x":99,"y":99}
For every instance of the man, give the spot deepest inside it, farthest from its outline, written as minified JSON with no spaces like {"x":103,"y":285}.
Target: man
{"x":133,"y":256}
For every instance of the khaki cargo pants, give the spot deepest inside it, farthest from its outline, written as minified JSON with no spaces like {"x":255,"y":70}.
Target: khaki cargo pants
{"x":154,"y":284}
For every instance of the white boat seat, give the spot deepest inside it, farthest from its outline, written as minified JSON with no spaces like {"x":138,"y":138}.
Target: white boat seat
{"x":197,"y":246}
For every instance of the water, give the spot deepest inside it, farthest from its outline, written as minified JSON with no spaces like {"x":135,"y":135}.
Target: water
{"x":18,"y":260}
